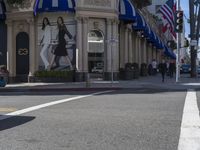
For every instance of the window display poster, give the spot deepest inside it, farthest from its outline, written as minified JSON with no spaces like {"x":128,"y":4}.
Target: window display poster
{"x":56,"y":43}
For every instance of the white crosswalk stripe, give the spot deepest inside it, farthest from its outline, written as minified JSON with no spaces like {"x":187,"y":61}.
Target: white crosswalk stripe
{"x":190,"y":127}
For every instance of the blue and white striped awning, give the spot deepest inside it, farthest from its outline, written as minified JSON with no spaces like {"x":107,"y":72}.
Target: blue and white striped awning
{"x":2,"y":10}
{"x":54,"y":6}
{"x":127,"y":11}
{"x":140,"y":24}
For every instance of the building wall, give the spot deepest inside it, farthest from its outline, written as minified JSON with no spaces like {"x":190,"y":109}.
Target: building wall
{"x":3,"y":43}
{"x":121,"y":43}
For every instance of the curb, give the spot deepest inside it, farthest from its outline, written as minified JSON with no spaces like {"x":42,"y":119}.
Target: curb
{"x":40,"y":90}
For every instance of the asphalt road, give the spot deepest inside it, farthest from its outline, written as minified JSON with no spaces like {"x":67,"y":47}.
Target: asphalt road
{"x":132,"y":119}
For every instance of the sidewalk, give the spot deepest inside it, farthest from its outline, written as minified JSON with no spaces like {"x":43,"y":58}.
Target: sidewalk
{"x":142,"y":82}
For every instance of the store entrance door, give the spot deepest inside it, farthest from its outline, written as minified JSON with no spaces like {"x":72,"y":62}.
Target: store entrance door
{"x":96,"y":54}
{"x":22,"y":56}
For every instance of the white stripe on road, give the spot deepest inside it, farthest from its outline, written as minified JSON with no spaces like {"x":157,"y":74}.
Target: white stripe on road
{"x":30,"y":109}
{"x":190,"y":127}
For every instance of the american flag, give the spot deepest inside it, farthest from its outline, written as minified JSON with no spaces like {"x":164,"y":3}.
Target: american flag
{"x":168,"y":10}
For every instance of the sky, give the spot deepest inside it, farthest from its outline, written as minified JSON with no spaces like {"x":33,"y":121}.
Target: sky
{"x":185,"y":7}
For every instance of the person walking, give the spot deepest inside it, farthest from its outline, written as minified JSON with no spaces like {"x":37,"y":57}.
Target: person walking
{"x":45,"y":42}
{"x":154,"y":66}
{"x":163,"y":69}
{"x":171,"y":68}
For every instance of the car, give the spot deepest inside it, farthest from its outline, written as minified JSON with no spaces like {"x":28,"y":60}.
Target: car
{"x":97,"y":70}
{"x":198,"y":69}
{"x":185,"y":68}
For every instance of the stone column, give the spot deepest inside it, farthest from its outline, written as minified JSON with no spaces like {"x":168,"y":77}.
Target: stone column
{"x":139,"y":51}
{"x":108,"y":50}
{"x":122,"y":43}
{"x":144,"y":51}
{"x":10,"y":51}
{"x":150,"y":53}
{"x":130,"y":46}
{"x":32,"y":48}
{"x":85,"y":45}
{"x":79,"y":50}
{"x":116,"y":48}
{"x":126,"y":46}
{"x":79,"y":44}
{"x":134,"y":46}
{"x":136,"y":49}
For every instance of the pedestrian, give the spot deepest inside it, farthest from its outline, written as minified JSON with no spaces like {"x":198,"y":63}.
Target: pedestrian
{"x":171,"y":68}
{"x":163,"y":69}
{"x":150,"y":69}
{"x":154,"y":66}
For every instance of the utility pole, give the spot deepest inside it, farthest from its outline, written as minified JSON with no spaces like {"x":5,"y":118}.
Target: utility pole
{"x":194,"y":35}
{"x":178,"y":48}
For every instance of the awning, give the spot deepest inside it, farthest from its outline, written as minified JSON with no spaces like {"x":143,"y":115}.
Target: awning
{"x":2,"y":10}
{"x":159,"y":44}
{"x":127,"y":11}
{"x":54,"y":6}
{"x":140,"y":24}
{"x":168,"y":52}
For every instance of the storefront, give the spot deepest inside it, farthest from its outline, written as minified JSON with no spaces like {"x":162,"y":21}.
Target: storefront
{"x":3,"y":34}
{"x":88,"y":36}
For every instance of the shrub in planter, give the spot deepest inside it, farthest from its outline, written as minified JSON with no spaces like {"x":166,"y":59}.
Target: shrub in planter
{"x":54,"y":76}
{"x":129,"y":71}
{"x":144,"y":69}
{"x":121,"y":73}
{"x":136,"y":71}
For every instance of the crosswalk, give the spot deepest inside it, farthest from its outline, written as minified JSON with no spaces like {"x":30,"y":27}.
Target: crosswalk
{"x":190,"y":127}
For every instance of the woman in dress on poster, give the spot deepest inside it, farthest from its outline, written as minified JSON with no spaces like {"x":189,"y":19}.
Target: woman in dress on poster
{"x":45,"y":42}
{"x":61,"y":50}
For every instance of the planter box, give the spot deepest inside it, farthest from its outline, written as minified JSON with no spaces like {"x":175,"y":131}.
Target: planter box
{"x":51,"y":79}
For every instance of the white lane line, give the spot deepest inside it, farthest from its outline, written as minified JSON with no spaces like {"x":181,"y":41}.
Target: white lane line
{"x":190,"y":127}
{"x":30,"y":109}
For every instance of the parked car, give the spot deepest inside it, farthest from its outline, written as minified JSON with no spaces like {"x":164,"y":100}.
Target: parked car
{"x":185,"y":68}
{"x":198,"y":69}
{"x":97,"y":70}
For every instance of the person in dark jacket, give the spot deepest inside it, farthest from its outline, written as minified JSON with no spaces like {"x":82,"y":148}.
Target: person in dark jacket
{"x":163,"y":69}
{"x":171,"y":68}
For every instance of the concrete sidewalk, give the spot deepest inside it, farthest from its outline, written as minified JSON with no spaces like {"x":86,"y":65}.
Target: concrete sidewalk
{"x":94,"y":84}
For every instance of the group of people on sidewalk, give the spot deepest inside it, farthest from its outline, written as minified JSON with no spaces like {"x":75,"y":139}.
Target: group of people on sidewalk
{"x":165,"y":68}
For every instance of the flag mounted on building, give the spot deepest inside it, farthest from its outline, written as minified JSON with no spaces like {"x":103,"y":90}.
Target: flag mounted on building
{"x":168,"y":10}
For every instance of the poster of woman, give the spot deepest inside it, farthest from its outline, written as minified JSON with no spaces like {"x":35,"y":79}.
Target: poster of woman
{"x":57,"y":46}
{"x":45,"y":42}
{"x":61,"y":49}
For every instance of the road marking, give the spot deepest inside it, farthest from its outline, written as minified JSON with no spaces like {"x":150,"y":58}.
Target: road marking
{"x":190,"y":127}
{"x":30,"y":109}
{"x":10,"y":109}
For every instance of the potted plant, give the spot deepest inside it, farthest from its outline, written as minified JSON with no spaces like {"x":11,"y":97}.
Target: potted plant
{"x":144,"y":69}
{"x":136,"y":71}
{"x":128,"y":71}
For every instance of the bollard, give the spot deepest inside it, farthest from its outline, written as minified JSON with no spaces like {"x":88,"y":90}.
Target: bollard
{"x":88,"y":81}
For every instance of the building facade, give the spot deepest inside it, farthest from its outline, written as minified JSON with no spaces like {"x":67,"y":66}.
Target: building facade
{"x":80,"y":35}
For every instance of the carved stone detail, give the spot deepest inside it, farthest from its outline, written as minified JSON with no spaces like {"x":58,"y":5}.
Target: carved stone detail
{"x":99,"y":3}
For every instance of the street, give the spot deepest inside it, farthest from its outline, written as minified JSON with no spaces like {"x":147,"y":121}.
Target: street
{"x":126,"y":119}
